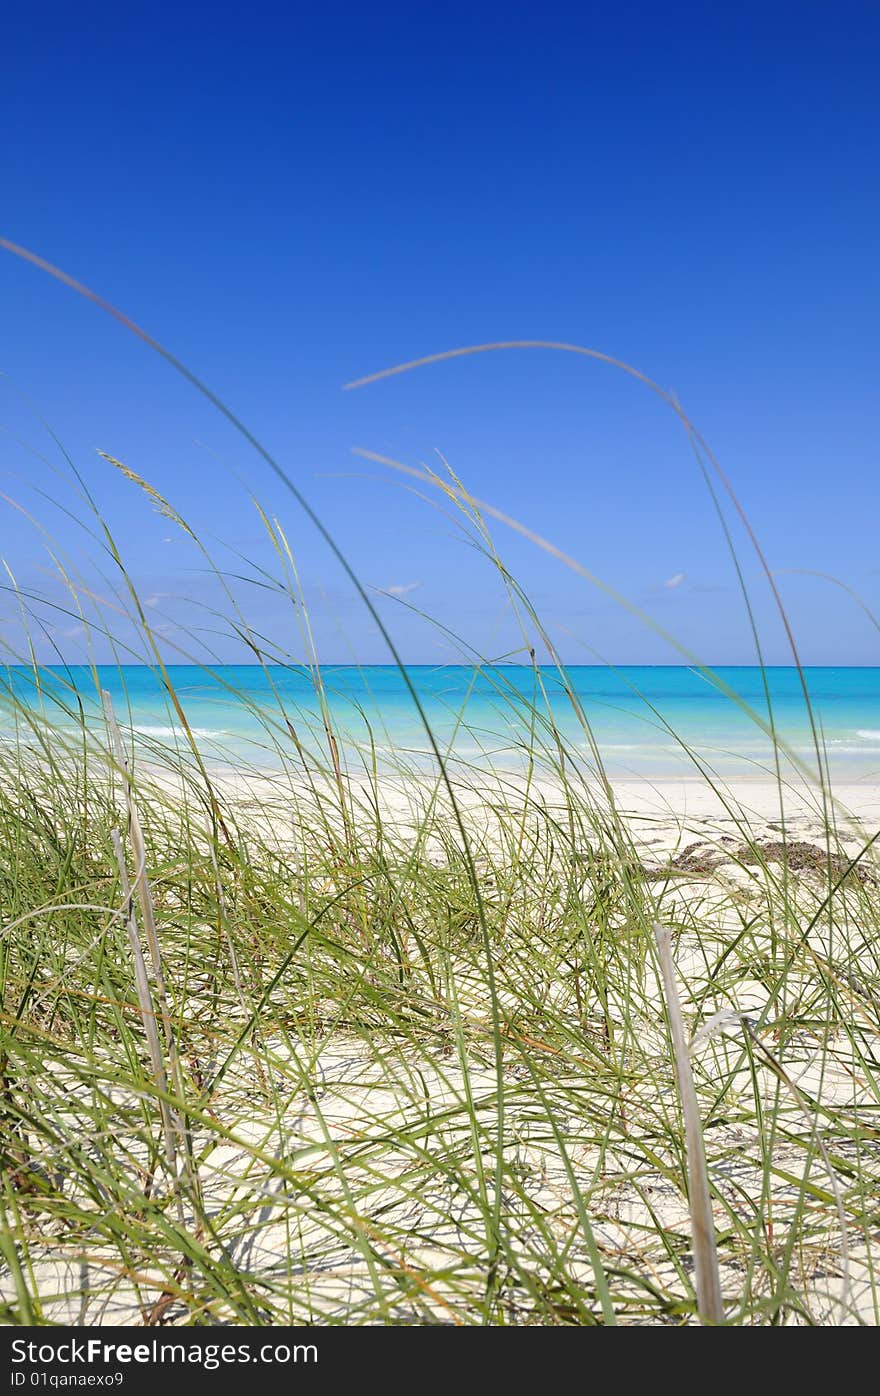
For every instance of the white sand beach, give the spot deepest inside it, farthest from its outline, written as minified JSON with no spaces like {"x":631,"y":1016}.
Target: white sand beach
{"x":339,"y":1167}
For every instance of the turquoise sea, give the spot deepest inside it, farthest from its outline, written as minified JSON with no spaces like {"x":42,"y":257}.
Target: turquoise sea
{"x":640,"y":716}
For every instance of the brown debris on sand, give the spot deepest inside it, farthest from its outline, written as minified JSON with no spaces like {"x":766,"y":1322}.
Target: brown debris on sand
{"x":803,"y":857}
{"x":704,"y":858}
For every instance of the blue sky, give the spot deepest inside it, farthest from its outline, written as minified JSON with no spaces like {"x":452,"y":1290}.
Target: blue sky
{"x":289,"y":199}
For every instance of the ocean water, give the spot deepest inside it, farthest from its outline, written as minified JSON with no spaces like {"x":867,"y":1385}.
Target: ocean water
{"x":642,"y":718}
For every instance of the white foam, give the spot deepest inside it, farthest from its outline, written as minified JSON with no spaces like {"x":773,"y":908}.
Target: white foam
{"x":147,"y":729}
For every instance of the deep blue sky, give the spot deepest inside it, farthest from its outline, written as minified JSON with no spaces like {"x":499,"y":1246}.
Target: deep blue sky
{"x":290,"y":196}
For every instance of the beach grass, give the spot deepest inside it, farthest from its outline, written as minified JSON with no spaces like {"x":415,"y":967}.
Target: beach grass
{"x":340,"y":1046}
{"x":446,"y":1045}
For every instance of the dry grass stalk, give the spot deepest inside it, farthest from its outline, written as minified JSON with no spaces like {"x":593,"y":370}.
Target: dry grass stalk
{"x":158,"y":996}
{"x":142,"y":885}
{"x":145,"y":1003}
{"x":136,"y":837}
{"x":708,"y":1280}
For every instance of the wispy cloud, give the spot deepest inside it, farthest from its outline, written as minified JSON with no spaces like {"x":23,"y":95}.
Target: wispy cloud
{"x":672,"y":582}
{"x":156,"y":597}
{"x":402,"y":589}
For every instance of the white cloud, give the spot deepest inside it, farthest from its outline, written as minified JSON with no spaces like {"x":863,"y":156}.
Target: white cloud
{"x":672,"y":582}
{"x":402,"y":589}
